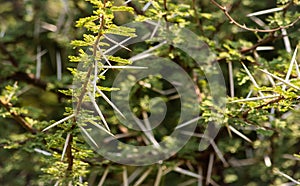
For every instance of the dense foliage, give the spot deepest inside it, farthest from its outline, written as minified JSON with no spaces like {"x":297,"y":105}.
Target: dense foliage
{"x":42,"y":140}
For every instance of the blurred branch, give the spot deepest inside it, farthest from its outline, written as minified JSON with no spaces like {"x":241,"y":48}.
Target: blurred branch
{"x":17,"y":117}
{"x":81,"y":10}
{"x":28,"y":78}
{"x":32,"y":80}
{"x":197,"y":19}
{"x":24,"y":77}
{"x":11,"y":58}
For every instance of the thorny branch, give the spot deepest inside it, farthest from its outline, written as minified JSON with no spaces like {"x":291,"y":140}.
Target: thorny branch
{"x":84,"y":90}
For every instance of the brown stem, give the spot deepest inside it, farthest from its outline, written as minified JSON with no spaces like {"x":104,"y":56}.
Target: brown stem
{"x":69,"y":154}
{"x":165,"y":5}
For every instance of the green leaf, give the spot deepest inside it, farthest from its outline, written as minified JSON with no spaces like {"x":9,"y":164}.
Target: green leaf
{"x":122,"y":8}
{"x":119,"y":60}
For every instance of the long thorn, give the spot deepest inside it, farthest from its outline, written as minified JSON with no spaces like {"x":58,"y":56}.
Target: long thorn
{"x":59,"y":122}
{"x":280,"y":79}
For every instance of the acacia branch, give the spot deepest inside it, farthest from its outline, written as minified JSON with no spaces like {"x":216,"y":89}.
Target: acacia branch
{"x":233,"y":21}
{"x":84,"y":89}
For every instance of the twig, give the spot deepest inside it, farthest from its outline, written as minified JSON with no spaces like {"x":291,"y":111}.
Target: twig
{"x":264,"y":41}
{"x":255,"y":98}
{"x":245,"y":114}
{"x":84,"y":89}
{"x":224,"y":9}
{"x":270,"y":102}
